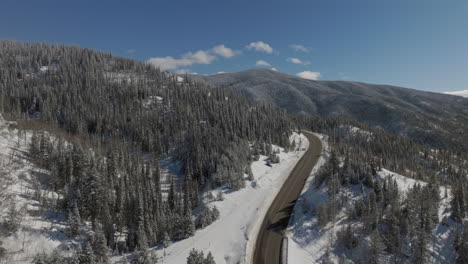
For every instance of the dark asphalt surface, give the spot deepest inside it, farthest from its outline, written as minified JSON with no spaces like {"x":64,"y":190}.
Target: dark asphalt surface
{"x":268,"y":245}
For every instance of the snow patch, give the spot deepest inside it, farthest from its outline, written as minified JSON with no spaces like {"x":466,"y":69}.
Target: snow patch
{"x":151,"y":101}
{"x":404,"y":183}
{"x":356,"y":132}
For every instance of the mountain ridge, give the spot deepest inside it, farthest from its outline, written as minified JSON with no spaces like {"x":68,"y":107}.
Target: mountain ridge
{"x":431,"y":118}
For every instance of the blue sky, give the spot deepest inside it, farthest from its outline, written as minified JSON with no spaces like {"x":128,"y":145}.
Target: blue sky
{"x":417,"y":44}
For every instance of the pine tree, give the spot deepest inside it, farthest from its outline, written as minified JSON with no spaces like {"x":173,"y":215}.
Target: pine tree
{"x":220,"y":196}
{"x":100,"y":249}
{"x":214,"y":214}
{"x":195,"y":257}
{"x":2,"y":250}
{"x":462,"y":247}
{"x":86,"y":255}
{"x":188,"y":191}
{"x":34,"y":145}
{"x":108,"y":224}
{"x":376,"y":248}
{"x":458,"y":203}
{"x":248,"y":171}
{"x":348,"y":238}
{"x":209,"y":259}
{"x":171,"y":197}
{"x":74,"y":219}
{"x":145,"y":257}
{"x":187,"y":227}
{"x":142,"y":241}
{"x":166,"y":240}
{"x":141,"y":237}
{"x":372,"y":211}
{"x":333,"y":163}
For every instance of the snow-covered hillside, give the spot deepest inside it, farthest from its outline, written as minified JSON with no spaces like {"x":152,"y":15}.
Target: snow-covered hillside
{"x":311,"y":243}
{"x":231,"y":238}
{"x":32,"y":229}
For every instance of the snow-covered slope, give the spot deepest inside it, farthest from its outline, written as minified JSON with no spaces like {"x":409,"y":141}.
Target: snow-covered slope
{"x":309,"y":243}
{"x":232,"y":236}
{"x":442,"y":244}
{"x":39,"y":230}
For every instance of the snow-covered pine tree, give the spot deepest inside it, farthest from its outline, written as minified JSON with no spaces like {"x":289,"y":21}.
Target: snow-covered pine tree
{"x":99,"y":244}
{"x":209,"y":259}
{"x":195,"y":257}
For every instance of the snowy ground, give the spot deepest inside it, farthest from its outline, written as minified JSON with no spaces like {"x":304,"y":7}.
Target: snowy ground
{"x":232,"y":236}
{"x":39,"y":230}
{"x":308,"y":243}
{"x":404,"y":183}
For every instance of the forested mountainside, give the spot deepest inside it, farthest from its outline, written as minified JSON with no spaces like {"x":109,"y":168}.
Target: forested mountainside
{"x":92,"y":131}
{"x":430,"y":118}
{"x":104,"y":123}
{"x":108,"y":99}
{"x":360,"y":209}
{"x":379,"y":148}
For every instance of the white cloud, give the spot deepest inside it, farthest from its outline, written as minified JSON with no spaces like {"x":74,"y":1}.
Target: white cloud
{"x":169,"y":63}
{"x":309,"y":75}
{"x":274,"y":69}
{"x":223,"y":51}
{"x":190,"y":58}
{"x":260,"y":46}
{"x":130,"y":51}
{"x":463,"y":93}
{"x":262,"y":63}
{"x":185,"y":71}
{"x":297,"y":47}
{"x":199,"y":57}
{"x":298,"y":61}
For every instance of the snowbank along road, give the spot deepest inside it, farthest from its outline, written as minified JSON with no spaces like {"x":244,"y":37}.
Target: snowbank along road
{"x":268,"y":244}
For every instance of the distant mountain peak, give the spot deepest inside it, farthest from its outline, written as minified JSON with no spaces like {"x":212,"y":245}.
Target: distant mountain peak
{"x":428,"y":117}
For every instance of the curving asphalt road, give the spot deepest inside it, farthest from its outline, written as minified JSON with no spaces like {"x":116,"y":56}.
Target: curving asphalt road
{"x":268,"y":245}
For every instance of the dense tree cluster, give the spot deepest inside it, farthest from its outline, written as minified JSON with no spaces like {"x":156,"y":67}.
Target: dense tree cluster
{"x":197,"y":257}
{"x":111,"y":120}
{"x":118,"y":193}
{"x":396,"y":225}
{"x":206,"y":217}
{"x":110,"y":99}
{"x":374,"y":146}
